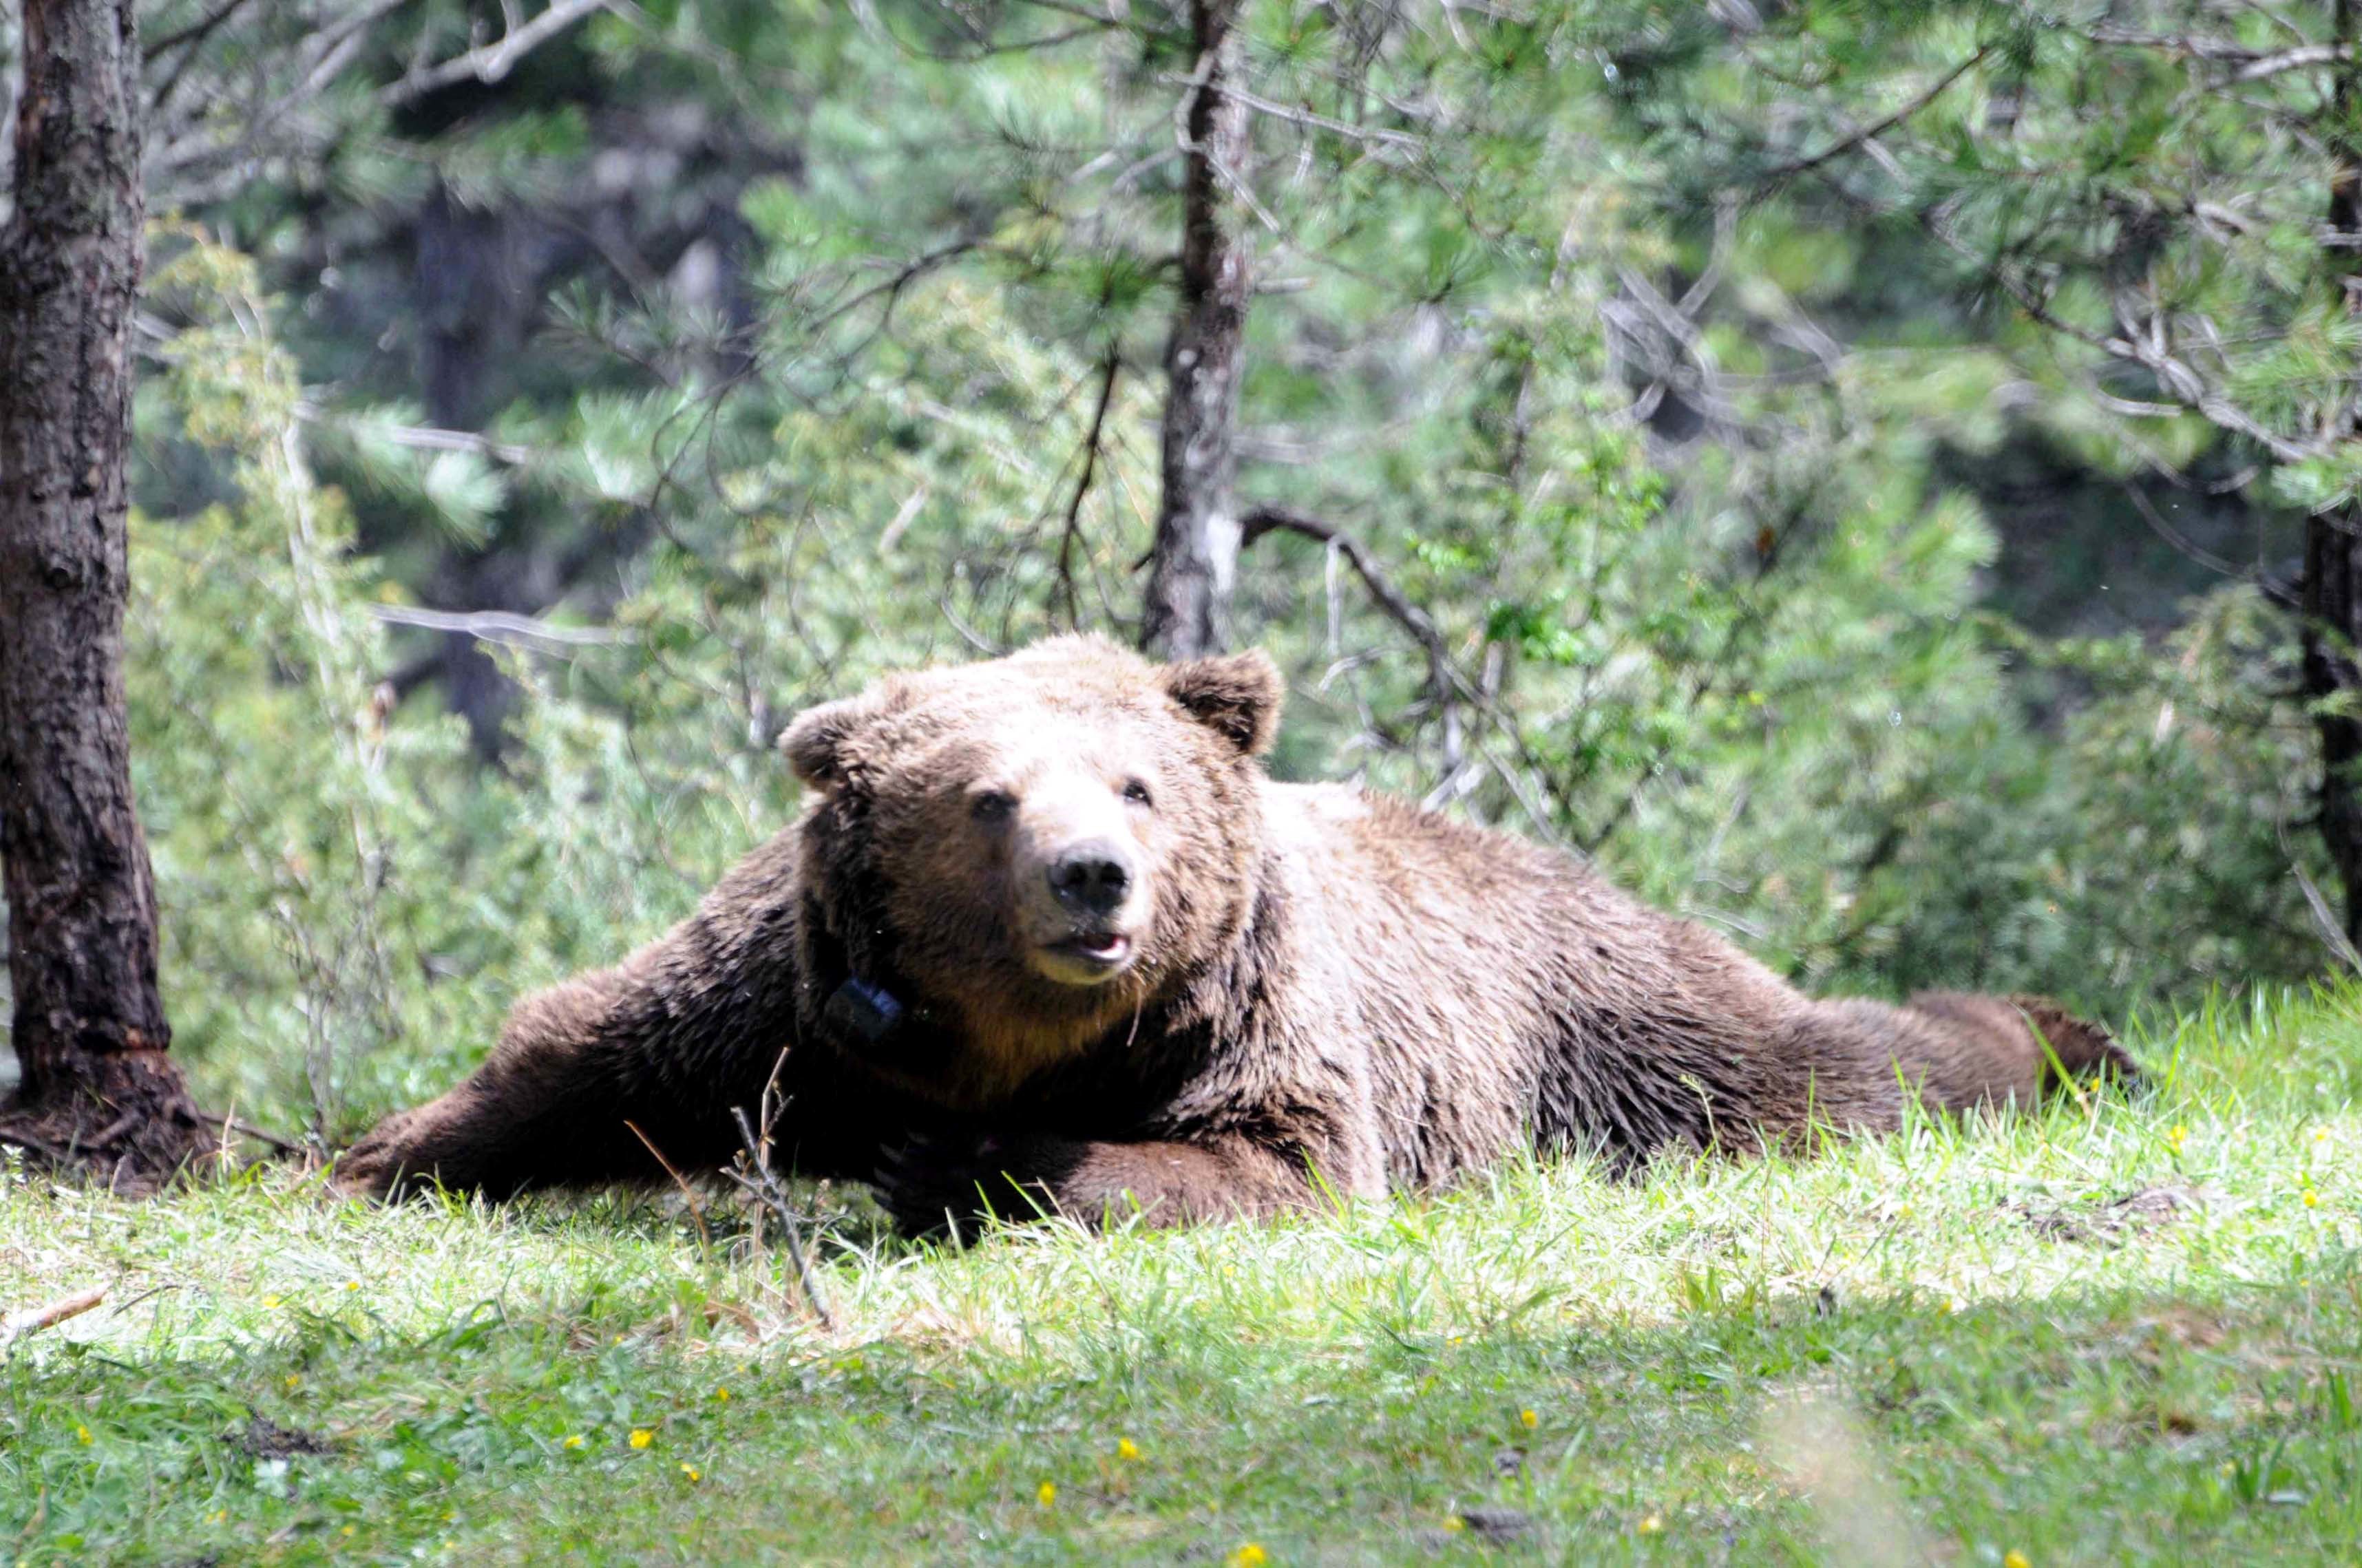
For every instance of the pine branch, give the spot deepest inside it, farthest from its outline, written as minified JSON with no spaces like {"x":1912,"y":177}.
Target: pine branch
{"x":1877,"y":129}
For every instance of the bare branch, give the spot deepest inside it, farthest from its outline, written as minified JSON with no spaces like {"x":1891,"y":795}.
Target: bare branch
{"x":1877,"y":129}
{"x":493,"y":60}
{"x":498,"y":626}
{"x":1364,"y":134}
{"x":1443,"y":677}
{"x":33,"y":1320}
{"x":754,"y":1177}
{"x":2290,"y":60}
{"x":1109,"y":371}
{"x":2175,"y":537}
{"x":420,"y":437}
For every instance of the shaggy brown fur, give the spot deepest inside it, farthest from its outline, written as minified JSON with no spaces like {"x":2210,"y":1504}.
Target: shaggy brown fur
{"x":1047,"y":935}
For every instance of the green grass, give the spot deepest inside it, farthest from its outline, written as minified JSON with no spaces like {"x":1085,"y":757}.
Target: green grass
{"x":1923,"y":1347}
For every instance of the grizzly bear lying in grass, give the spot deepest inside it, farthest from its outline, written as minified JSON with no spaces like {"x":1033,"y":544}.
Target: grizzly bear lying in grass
{"x":1046,"y":937}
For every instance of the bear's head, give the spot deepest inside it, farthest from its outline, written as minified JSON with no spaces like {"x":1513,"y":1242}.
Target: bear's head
{"x":1004,"y":861}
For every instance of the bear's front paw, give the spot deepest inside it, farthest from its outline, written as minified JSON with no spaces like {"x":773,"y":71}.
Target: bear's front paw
{"x":374,"y":1167}
{"x":938,"y":1187}
{"x":400,"y":1157}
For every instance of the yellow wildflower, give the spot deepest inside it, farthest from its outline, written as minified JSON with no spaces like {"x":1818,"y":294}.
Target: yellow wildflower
{"x":642,"y":1437}
{"x":2015,"y":1559}
{"x":692,"y":1471}
{"x":292,"y":1380}
{"x":270,"y":1302}
{"x":2178,"y":1137}
{"x":82,"y":1435}
{"x":575,"y":1440}
{"x":1047,"y":1494}
{"x":1455,"y":1523}
{"x":1251,"y":1555}
{"x":352,"y":1285}
{"x":2312,"y":1199}
{"x":1126,"y":1448}
{"x":1652,"y":1524}
{"x":723,"y":1395}
{"x":1531,"y":1419}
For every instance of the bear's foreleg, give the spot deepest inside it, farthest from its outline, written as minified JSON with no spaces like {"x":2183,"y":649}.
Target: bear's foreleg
{"x":595,"y":1080}
{"x":930,"y":1187}
{"x":585,"y":1087}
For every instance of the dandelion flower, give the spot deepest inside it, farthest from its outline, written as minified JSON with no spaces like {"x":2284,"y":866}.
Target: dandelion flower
{"x":1529,"y":1419}
{"x":2177,"y":1136}
{"x":692,"y":1471}
{"x":352,"y":1285}
{"x":1652,"y":1524}
{"x":2015,"y":1559}
{"x":723,"y":1395}
{"x":1047,"y":1494}
{"x":270,"y":1302}
{"x":575,"y":1440}
{"x":292,"y":1380}
{"x":2312,"y":1199}
{"x":82,"y":1435}
{"x":642,"y":1437}
{"x":1251,"y":1555}
{"x":1126,"y":1448}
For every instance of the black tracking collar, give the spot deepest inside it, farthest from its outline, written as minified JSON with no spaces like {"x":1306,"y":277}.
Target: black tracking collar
{"x":868,"y":1012}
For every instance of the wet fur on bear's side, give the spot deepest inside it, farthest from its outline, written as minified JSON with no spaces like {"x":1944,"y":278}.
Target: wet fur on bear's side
{"x":1046,"y":936}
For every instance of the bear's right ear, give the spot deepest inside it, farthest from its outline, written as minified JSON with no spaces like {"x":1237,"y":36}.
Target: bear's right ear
{"x":1236,"y":695}
{"x":814,"y":745}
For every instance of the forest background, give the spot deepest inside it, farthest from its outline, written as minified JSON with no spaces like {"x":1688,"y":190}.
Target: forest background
{"x":1872,"y":476}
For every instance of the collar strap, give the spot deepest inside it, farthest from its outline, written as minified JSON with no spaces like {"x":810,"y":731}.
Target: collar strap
{"x":861,"y":1009}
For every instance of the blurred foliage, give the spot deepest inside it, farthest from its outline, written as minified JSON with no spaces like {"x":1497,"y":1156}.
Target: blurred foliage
{"x":1726,"y":631}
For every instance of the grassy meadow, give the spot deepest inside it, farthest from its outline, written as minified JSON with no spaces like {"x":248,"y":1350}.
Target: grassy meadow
{"x":2120,"y":1331}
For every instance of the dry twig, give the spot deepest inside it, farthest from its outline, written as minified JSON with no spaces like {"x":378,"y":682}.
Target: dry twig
{"x":754,"y":1177}
{"x":33,"y":1320}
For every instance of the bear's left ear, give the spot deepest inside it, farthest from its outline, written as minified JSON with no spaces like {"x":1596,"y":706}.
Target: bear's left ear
{"x":1236,"y":695}
{"x":815,"y":743}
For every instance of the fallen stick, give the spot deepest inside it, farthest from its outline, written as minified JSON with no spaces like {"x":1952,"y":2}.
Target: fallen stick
{"x":33,"y":1320}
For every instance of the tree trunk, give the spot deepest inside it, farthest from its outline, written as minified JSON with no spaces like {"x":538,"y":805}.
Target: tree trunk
{"x":90,"y":1034}
{"x":1196,"y":553}
{"x":2331,"y":598}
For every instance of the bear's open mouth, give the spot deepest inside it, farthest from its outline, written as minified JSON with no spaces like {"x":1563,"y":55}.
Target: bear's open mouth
{"x":1103,"y":950}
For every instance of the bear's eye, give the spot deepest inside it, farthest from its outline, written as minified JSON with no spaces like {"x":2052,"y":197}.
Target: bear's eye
{"x":993,"y":806}
{"x":1137,"y":793}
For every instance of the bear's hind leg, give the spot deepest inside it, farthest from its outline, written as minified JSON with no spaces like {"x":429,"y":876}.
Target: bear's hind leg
{"x":1996,"y":1047}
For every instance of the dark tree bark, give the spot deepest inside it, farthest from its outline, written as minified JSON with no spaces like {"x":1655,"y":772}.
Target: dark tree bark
{"x":1195,"y":554}
{"x":89,"y":1025}
{"x":2331,"y":595}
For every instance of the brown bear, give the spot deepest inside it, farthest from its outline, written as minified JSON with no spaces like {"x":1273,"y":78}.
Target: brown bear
{"x":1046,"y":937}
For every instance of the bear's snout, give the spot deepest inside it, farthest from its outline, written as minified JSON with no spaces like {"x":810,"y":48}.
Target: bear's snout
{"x":1094,"y":877}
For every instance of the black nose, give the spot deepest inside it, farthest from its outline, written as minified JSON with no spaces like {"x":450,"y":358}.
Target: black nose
{"x":1091,"y":878}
